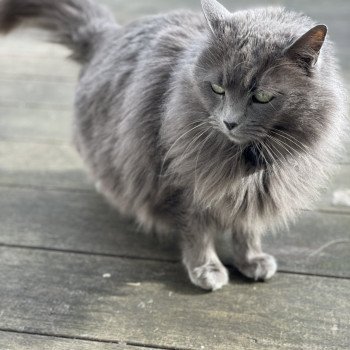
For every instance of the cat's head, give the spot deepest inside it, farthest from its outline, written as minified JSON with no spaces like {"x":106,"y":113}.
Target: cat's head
{"x":261,"y":83}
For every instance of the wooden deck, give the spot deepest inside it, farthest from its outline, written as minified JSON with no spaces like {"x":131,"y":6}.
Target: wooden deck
{"x":74,"y":275}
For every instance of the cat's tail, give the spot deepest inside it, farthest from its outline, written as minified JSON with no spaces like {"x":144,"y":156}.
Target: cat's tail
{"x":78,"y":24}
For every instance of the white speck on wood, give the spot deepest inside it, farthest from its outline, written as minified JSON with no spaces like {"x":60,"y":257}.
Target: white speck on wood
{"x":141,"y":305}
{"x":134,"y":284}
{"x":106,"y":275}
{"x":341,"y":197}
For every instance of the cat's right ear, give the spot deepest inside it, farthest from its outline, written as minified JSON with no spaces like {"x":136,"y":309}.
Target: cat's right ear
{"x":306,"y":49}
{"x":215,"y":14}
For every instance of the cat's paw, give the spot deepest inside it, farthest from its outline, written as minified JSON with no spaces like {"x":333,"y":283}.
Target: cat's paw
{"x":261,"y":267}
{"x":210,"y":276}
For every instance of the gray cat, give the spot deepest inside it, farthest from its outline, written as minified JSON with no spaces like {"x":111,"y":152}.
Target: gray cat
{"x":201,"y":125}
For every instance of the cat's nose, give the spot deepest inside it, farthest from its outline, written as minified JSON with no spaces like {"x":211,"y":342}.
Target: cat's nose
{"x":230,"y":125}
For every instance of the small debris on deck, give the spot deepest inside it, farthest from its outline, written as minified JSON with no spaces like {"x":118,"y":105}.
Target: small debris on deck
{"x":341,"y":197}
{"x":134,"y":284}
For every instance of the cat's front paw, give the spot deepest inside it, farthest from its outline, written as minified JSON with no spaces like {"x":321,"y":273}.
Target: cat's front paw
{"x":210,"y":276}
{"x":261,"y":267}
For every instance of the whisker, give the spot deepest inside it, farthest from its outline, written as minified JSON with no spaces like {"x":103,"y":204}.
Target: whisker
{"x":282,"y":144}
{"x":261,"y":153}
{"x":291,"y":138}
{"x":273,"y":106}
{"x":177,"y":140}
{"x":282,"y":158}
{"x":184,"y":153}
{"x":272,"y":155}
{"x":197,"y":158}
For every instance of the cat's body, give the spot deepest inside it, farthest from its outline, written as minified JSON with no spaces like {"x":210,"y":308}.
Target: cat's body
{"x":153,"y":134}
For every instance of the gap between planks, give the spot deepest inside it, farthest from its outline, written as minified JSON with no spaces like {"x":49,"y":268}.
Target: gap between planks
{"x":92,"y":339}
{"x":169,"y":261}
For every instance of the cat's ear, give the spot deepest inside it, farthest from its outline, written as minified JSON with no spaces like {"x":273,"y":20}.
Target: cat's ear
{"x":306,"y":49}
{"x":215,"y":14}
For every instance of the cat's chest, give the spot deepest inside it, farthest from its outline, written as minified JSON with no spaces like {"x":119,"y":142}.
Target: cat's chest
{"x":245,"y":200}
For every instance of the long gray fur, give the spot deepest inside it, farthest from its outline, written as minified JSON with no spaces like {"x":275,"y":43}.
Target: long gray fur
{"x":151,"y":130}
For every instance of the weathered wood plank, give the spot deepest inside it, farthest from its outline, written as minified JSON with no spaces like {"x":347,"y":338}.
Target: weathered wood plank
{"x":17,"y":67}
{"x":83,"y":222}
{"x":42,"y":165}
{"x":72,"y":221}
{"x":18,"y":341}
{"x":340,"y":181}
{"x":318,"y":244}
{"x":58,"y":95}
{"x":154,"y":304}
{"x":31,"y":43}
{"x":23,"y":124}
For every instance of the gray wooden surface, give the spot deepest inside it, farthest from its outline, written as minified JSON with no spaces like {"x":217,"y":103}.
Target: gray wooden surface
{"x":17,"y":340}
{"x":143,"y":302}
{"x":75,"y":275}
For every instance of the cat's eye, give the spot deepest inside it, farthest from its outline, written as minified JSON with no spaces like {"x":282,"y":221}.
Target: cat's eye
{"x":263,"y":97}
{"x":218,"y":89}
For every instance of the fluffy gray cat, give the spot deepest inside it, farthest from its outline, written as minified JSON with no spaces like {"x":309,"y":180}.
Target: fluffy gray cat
{"x":201,"y":125}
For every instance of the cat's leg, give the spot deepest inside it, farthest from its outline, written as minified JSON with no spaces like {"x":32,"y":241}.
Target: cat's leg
{"x":201,"y":261}
{"x":249,"y":258}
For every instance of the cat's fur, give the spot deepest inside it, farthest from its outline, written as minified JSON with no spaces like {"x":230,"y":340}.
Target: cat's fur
{"x":152,"y":132}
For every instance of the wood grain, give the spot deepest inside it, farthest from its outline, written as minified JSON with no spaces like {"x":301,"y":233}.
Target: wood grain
{"x":38,"y":125}
{"x":15,"y":341}
{"x":42,"y":165}
{"x":153,"y":303}
{"x":80,"y":222}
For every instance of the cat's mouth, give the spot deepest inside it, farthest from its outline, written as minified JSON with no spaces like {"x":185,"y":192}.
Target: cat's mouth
{"x":252,"y":155}
{"x":245,"y":137}
{"x":238,"y":139}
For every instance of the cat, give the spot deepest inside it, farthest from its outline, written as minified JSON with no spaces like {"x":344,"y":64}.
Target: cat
{"x":202,"y":125}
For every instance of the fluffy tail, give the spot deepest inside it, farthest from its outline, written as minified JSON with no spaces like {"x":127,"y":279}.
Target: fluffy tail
{"x":77,"y":24}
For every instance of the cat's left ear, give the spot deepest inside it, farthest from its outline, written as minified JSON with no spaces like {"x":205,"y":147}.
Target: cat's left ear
{"x":215,"y":14}
{"x":307,"y":48}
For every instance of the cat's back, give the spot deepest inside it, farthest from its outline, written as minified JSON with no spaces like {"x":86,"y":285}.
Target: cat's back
{"x":180,"y":24}
{"x":157,"y":36}
{"x":142,"y":52}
